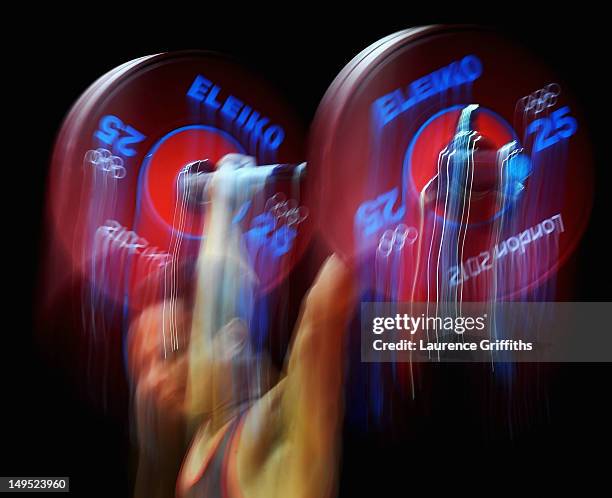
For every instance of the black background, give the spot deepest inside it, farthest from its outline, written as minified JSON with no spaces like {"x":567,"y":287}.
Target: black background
{"x":50,"y":428}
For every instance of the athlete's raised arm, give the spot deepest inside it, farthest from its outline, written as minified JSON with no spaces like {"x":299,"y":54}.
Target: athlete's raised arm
{"x":312,"y":406}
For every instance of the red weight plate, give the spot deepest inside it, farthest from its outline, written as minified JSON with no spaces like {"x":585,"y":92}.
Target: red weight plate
{"x":456,"y":159}
{"x":113,"y":198}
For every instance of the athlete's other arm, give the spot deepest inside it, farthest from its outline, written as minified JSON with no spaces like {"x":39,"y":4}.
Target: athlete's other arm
{"x":224,"y":289}
{"x":290,"y":440}
{"x":313,"y":403}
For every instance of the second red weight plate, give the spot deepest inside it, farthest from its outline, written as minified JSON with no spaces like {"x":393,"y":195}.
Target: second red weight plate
{"x":457,"y":159}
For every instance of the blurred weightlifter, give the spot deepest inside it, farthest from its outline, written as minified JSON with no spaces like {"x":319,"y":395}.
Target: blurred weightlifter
{"x":201,"y":389}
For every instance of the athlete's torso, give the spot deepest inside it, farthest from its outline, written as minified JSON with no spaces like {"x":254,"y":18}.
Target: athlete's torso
{"x":210,"y":467}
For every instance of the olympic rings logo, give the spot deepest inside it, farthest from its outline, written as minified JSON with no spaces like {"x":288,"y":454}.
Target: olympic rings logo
{"x":106,"y":162}
{"x":395,"y":240}
{"x":541,"y":99}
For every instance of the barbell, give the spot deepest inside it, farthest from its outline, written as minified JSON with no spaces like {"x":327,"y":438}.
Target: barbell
{"x":450,"y":161}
